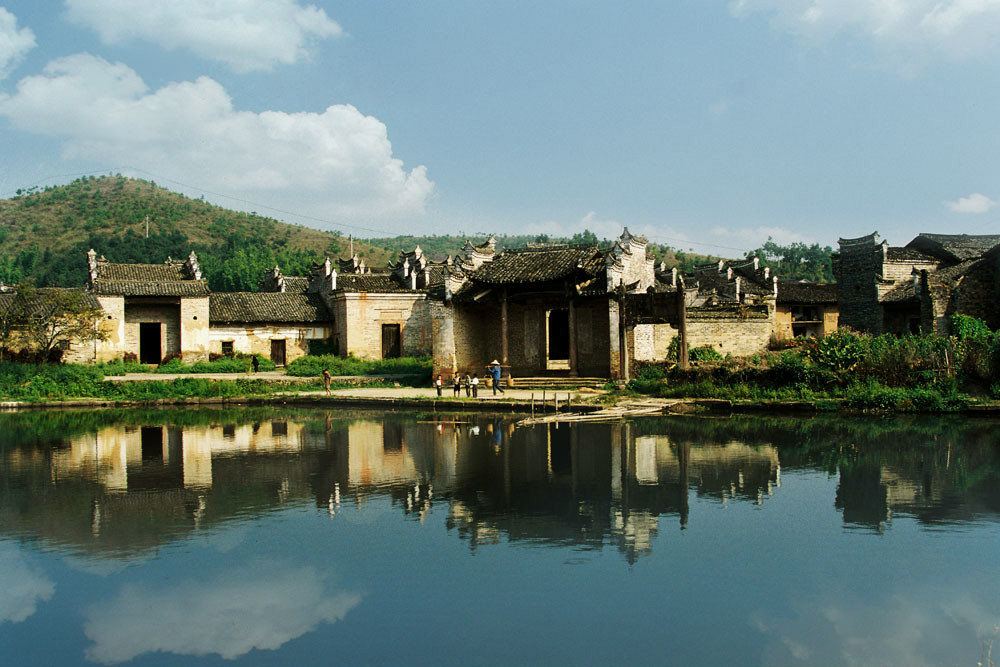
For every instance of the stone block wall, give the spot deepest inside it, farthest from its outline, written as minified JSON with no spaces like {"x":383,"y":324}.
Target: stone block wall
{"x":976,"y":295}
{"x":168,"y":315}
{"x":256,"y":339}
{"x":194,"y":326}
{"x":857,"y":271}
{"x":735,"y":336}
{"x":359,"y":318}
{"x":114,"y":327}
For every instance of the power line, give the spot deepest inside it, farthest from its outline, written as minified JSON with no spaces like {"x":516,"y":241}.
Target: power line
{"x":386,"y":233}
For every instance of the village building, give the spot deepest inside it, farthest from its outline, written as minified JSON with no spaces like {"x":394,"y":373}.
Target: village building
{"x":152,"y":310}
{"x":279,"y":326}
{"x":916,"y":288}
{"x":805,"y":309}
{"x":539,"y":311}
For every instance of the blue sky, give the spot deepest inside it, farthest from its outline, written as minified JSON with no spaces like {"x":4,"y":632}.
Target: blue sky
{"x":707,"y":125}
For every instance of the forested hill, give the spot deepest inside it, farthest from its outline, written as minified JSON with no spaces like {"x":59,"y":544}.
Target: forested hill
{"x":44,"y":235}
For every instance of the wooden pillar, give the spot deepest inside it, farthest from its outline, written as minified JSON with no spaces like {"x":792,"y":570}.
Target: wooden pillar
{"x":503,"y":328}
{"x":572,"y":339}
{"x":682,"y":344}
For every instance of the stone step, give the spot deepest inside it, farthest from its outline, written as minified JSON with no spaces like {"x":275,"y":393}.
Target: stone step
{"x":556,"y":382}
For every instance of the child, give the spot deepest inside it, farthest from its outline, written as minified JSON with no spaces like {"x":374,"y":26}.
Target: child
{"x":438,"y":383}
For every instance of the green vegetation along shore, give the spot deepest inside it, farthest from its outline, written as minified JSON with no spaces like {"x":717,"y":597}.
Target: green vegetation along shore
{"x":32,"y":383}
{"x":926,"y":373}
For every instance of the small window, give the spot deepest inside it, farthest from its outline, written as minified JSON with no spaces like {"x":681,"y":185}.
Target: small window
{"x":227,"y":348}
{"x":63,"y":345}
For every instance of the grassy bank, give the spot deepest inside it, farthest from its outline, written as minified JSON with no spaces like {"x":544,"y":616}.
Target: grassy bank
{"x":32,"y":383}
{"x":872,"y":373}
{"x":312,"y":366}
{"x":237,"y":364}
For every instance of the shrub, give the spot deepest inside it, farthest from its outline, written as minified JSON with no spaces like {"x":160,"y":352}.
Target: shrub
{"x":704,"y":353}
{"x":313,"y":366}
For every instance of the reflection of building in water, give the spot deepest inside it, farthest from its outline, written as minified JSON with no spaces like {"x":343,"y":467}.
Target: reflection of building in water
{"x":941,"y":484}
{"x":567,"y":485}
{"x":127,"y":488}
{"x":162,"y":457}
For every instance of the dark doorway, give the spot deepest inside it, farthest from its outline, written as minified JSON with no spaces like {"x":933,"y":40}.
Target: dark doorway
{"x":391,"y":348}
{"x":278,"y":352}
{"x":152,"y":443}
{"x":558,"y":334}
{"x":149,"y":343}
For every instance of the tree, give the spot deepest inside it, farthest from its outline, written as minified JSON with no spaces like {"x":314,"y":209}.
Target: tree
{"x":11,"y":316}
{"x":47,"y":317}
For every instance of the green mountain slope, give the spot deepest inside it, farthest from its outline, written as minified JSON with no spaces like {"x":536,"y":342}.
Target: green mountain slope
{"x":44,"y":234}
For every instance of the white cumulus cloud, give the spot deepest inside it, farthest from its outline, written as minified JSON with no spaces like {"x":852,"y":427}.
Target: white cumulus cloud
{"x":14,"y":42}
{"x":334,"y":164}
{"x":247,"y":35}
{"x":957,"y":28}
{"x":259,"y":606}
{"x":22,"y":586}
{"x":974,"y":203}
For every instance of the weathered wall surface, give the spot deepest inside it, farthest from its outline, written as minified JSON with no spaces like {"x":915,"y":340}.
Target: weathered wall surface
{"x":194,"y":337}
{"x":114,"y":326}
{"x":899,"y":271}
{"x":168,"y":315}
{"x":857,"y":270}
{"x":738,"y":337}
{"x":256,"y":339}
{"x":976,"y":295}
{"x":359,"y":318}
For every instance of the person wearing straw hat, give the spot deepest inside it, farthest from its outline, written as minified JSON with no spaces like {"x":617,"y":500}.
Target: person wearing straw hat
{"x":494,"y":371}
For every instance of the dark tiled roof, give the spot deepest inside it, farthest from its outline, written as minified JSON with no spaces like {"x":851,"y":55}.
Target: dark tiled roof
{"x":167,"y":279}
{"x":803,"y":292}
{"x":150,"y":288}
{"x":43,"y":298}
{"x":897,"y":254}
{"x":904,"y":291}
{"x":951,"y":275}
{"x":528,"y":265}
{"x":371,"y":282}
{"x":264,"y":307}
{"x":956,"y":247}
{"x":296,"y":284}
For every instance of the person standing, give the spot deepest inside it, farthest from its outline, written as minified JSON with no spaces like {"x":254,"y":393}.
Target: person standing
{"x":495,"y":372}
{"x":327,"y":379}
{"x":255,"y":363}
{"x":475,"y":385}
{"x":457,"y":384}
{"x":468,"y":385}
{"x":438,"y":384}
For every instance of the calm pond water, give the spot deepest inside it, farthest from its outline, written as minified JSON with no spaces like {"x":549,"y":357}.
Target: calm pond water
{"x":263,"y":536}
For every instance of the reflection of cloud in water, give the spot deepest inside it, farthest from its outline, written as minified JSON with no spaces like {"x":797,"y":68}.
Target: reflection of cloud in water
{"x":918,"y":627}
{"x":262,"y":606}
{"x":22,"y":586}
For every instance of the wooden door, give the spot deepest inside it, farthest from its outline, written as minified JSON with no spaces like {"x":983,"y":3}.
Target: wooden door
{"x":278,"y":352}
{"x":391,"y":348}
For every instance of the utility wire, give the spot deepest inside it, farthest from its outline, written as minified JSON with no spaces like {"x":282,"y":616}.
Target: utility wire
{"x":384,"y":232}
